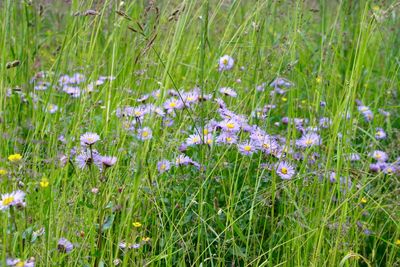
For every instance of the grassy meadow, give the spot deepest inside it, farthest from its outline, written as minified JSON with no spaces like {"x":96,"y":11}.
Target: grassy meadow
{"x":199,"y":133}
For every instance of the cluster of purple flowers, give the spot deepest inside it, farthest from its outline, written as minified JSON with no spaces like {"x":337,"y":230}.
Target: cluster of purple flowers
{"x":89,"y":156}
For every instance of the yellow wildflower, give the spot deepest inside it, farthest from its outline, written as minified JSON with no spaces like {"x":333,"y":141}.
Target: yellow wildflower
{"x":137,"y":224}
{"x":15,"y":157}
{"x":44,"y":182}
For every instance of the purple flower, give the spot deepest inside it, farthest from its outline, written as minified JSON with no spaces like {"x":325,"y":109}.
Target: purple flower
{"x":64,"y":246}
{"x":145,"y":133}
{"x":14,"y":199}
{"x":268,"y":145}
{"x":247,"y":148}
{"x":172,"y":104}
{"x":380,"y":134}
{"x":389,"y":169}
{"x":379,"y":156}
{"x":190,"y":98}
{"x":84,"y":159}
{"x":308,"y":140}
{"x":89,"y":139}
{"x":108,"y":161}
{"x":325,"y":122}
{"x":51,"y":108}
{"x":73,"y":91}
{"x":193,"y":139}
{"x":285,"y":170}
{"x":228,"y":91}
{"x":20,"y":263}
{"x":225,"y":63}
{"x":182,"y":160}
{"x":227,"y":138}
{"x":368,"y":115}
{"x":374,"y":167}
{"x":163,"y":166}
{"x":353,"y":157}
{"x":230,"y":125}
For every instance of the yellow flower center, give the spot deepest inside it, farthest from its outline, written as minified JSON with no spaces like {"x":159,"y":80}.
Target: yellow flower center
{"x":172,"y":104}
{"x":378,"y":156}
{"x":247,"y":148}
{"x":205,"y":131}
{"x":266,"y":146}
{"x":230,"y":125}
{"x":225,"y":61}
{"x":8,"y":200}
{"x":162,"y":167}
{"x":309,"y":142}
{"x":3,"y":172}
{"x":229,"y":139}
{"x":284,"y":170}
{"x":20,"y":264}
{"x":209,"y":141}
{"x":138,"y":113}
{"x":145,"y":134}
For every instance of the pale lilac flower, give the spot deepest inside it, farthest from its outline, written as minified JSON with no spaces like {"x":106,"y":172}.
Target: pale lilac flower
{"x":78,"y":78}
{"x":268,"y":145}
{"x":139,"y":112}
{"x":172,"y":104}
{"x":379,"y":155}
{"x":41,"y":86}
{"x":64,"y":246}
{"x":308,"y":140}
{"x":145,"y":133}
{"x":159,"y":111}
{"x":108,"y":161}
{"x":51,"y":108}
{"x":230,"y":125}
{"x":88,"y":139}
{"x":156,"y":94}
{"x":325,"y":122}
{"x":163,"y":166}
{"x":384,"y":113}
{"x":389,"y":169}
{"x":368,"y":115}
{"x":73,"y":91}
{"x":190,"y":98}
{"x":285,"y":170}
{"x":374,"y":167}
{"x":143,"y":98}
{"x":247,"y":148}
{"x":227,"y":138}
{"x":84,"y":159}
{"x":380,"y":134}
{"x":225,"y":63}
{"x":353,"y":157}
{"x":261,"y":87}
{"x":363,"y":108}
{"x":20,"y":263}
{"x":193,"y":139}
{"x":208,"y":139}
{"x":228,"y":91}
{"x":182,"y":160}
{"x":14,"y":199}
{"x":65,"y":79}
{"x":168,"y":122}
{"x":134,"y":246}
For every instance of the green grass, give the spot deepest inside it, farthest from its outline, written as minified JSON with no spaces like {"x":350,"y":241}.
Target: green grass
{"x":232,"y":212}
